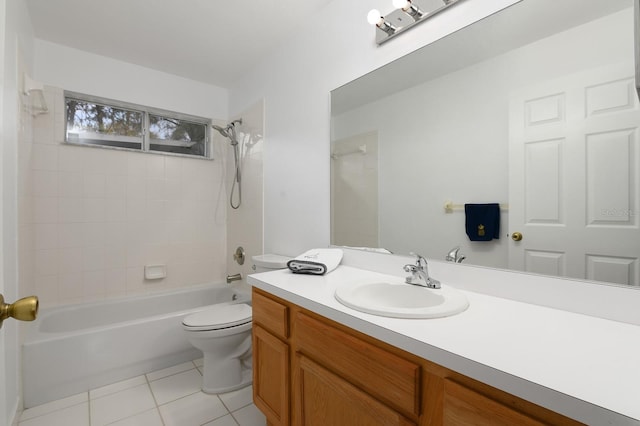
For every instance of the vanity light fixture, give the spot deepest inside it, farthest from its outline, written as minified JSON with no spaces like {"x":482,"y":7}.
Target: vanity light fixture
{"x":378,"y":20}
{"x":407,"y":14}
{"x":408,"y":7}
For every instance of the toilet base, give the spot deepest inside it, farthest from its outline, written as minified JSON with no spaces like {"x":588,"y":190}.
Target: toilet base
{"x":247,"y":379}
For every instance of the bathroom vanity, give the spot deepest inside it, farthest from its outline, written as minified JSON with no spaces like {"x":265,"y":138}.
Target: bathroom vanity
{"x":317,"y":362}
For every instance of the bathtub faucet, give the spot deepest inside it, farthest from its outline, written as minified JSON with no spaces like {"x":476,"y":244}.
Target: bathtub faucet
{"x":234,"y":277}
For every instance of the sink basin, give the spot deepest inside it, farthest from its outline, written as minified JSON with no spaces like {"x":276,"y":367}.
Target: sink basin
{"x":401,"y":300}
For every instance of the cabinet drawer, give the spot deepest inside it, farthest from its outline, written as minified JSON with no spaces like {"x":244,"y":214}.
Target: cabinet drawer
{"x":466,"y":407}
{"x":324,"y":398}
{"x":271,"y":315}
{"x":384,"y":375}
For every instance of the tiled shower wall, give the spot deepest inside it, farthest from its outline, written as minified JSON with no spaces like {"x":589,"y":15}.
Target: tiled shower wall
{"x":92,"y":218}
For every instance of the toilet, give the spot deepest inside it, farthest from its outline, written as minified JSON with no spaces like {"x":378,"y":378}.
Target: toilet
{"x":223,"y":333}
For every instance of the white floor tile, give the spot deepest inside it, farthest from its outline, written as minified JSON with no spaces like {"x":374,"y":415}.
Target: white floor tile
{"x":52,"y":406}
{"x":121,"y":405}
{"x":76,"y":415}
{"x":155,"y":375}
{"x":237,"y":399}
{"x":250,"y":416}
{"x":192,"y":410}
{"x":177,"y":386}
{"x":148,"y":418}
{"x":117,"y":387}
{"x":227,"y":420}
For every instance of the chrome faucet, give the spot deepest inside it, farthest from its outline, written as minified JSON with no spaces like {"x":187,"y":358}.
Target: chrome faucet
{"x":455,"y":256}
{"x":420,"y":273}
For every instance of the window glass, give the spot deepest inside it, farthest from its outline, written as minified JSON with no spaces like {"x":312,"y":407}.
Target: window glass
{"x":174,"y":135}
{"x":96,"y":124}
{"x":102,"y":122}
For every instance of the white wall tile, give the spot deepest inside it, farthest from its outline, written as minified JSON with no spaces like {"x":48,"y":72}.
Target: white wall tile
{"x":46,"y":262}
{"x":71,"y":235}
{"x":45,"y":157}
{"x":93,"y":284}
{"x":93,"y":209}
{"x":70,"y":158}
{"x":93,"y":258}
{"x":70,"y":184}
{"x":70,"y":261}
{"x":45,"y":210}
{"x":70,"y":210}
{"x":45,"y":183}
{"x":173,"y":168}
{"x":93,"y":234}
{"x":136,"y":165}
{"x":94,"y":185}
{"x":155,"y":166}
{"x":116,"y":186}
{"x":115,"y":210}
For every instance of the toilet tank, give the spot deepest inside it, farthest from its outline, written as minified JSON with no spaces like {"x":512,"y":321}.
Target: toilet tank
{"x":269,"y":262}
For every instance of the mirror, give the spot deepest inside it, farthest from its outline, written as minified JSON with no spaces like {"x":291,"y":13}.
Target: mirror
{"x":533,"y":108}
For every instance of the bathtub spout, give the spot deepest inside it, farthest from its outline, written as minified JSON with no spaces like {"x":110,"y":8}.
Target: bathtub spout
{"x":234,"y":277}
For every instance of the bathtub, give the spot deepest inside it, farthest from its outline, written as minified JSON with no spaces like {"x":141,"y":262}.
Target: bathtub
{"x":71,"y":349}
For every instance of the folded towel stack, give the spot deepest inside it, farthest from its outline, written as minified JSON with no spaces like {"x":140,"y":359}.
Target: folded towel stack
{"x":316,"y":261}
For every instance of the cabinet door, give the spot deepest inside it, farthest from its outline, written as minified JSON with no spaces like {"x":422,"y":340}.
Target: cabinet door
{"x":465,"y":407}
{"x":271,"y":376}
{"x":323,"y":398}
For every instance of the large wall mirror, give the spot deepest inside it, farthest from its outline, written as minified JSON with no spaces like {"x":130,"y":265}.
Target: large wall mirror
{"x":533,"y":108}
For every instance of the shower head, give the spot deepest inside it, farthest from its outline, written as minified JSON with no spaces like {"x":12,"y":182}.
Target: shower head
{"x":229,"y":131}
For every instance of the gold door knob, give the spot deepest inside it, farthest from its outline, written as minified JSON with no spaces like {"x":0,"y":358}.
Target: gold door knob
{"x":25,"y":309}
{"x":516,"y":236}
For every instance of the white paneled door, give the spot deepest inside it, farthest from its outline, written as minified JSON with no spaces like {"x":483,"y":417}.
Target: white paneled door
{"x":574,"y":173}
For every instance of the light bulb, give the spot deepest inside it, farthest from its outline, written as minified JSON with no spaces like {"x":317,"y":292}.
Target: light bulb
{"x":402,"y":4}
{"x":374,"y":17}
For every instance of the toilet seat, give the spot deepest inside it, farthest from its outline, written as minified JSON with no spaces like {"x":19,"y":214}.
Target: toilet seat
{"x":219,"y":317}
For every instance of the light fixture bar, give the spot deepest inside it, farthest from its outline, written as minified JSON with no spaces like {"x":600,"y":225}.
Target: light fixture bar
{"x":408,"y":14}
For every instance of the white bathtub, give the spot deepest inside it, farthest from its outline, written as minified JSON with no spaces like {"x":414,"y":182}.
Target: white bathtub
{"x":72,"y":349}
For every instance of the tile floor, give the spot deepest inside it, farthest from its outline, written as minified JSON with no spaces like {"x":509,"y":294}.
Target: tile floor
{"x":169,"y":397}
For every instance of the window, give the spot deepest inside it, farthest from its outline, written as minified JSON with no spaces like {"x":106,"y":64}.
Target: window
{"x":101,"y":122}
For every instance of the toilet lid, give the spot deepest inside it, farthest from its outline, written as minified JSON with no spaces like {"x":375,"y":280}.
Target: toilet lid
{"x":217,"y":317}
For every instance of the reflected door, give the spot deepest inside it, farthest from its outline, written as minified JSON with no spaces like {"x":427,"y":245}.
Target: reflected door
{"x":574,"y":164}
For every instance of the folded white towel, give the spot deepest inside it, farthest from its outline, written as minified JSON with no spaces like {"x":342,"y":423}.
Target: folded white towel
{"x":316,"y":261}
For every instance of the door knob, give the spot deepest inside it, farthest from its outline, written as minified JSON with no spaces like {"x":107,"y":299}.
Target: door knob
{"x":516,"y":236}
{"x":25,"y":309}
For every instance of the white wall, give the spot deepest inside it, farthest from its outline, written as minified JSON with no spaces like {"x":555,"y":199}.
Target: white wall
{"x":17,"y":57}
{"x":335,"y":47}
{"x":449,"y":137}
{"x":79,"y":71}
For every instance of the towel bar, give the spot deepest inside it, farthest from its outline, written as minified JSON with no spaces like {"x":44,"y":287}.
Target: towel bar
{"x":449,"y":206}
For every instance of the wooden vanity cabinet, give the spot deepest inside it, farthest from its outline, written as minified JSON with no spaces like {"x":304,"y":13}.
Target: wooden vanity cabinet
{"x":309,"y":370}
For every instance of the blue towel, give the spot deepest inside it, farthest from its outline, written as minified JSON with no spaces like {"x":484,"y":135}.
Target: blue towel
{"x":482,"y":221}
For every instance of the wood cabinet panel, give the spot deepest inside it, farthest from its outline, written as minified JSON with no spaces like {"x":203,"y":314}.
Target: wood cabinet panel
{"x":465,"y":407}
{"x":270,"y":314}
{"x":388,"y":377}
{"x":271,"y":376}
{"x":324,"y":398}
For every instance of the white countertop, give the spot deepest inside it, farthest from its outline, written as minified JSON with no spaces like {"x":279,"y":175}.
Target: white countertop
{"x":584,"y":367}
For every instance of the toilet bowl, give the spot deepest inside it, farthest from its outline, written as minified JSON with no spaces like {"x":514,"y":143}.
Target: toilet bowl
{"x":223,"y":333}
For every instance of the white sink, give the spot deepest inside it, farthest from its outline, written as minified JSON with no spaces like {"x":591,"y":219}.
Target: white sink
{"x":400,"y":300}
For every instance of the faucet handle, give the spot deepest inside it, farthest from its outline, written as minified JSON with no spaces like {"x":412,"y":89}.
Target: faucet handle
{"x":420,"y":260}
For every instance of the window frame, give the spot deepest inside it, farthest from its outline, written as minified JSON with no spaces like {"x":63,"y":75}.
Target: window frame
{"x":145,"y":146}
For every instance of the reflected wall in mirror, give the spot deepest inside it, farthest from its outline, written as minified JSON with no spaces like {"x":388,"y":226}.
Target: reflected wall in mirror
{"x":533,"y":108}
